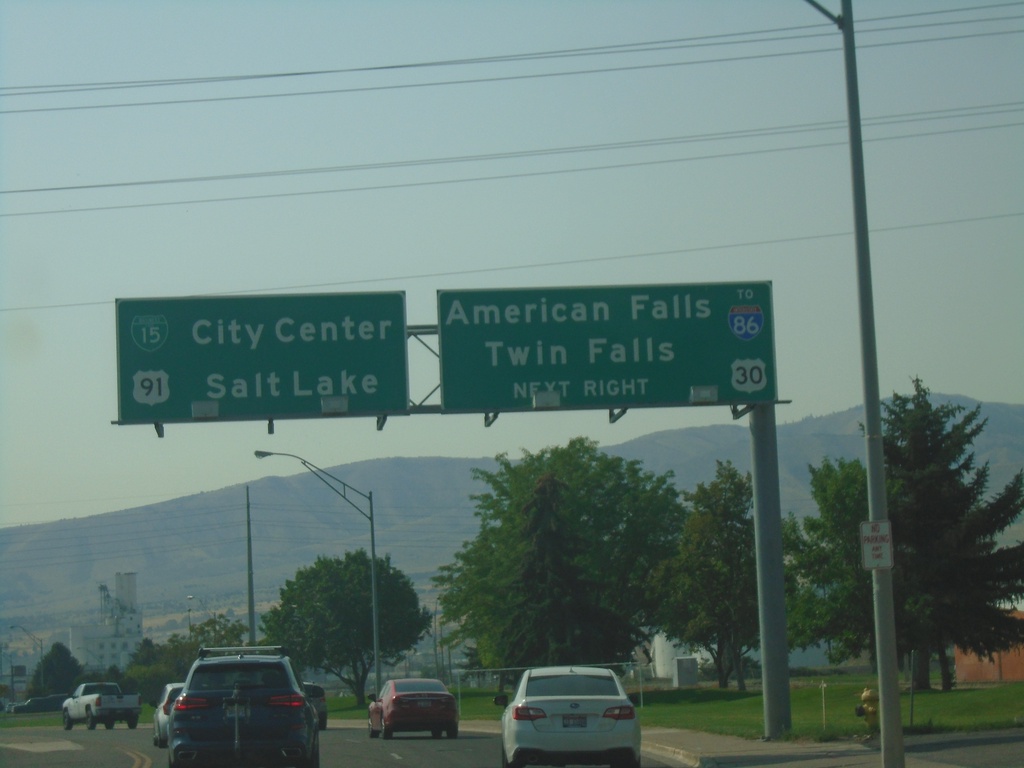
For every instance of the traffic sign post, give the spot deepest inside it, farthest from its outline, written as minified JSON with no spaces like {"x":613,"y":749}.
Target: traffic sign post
{"x":606,"y":347}
{"x":263,"y":357}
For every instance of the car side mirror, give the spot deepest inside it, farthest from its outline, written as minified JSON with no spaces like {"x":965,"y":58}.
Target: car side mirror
{"x":501,"y":699}
{"x":372,"y":697}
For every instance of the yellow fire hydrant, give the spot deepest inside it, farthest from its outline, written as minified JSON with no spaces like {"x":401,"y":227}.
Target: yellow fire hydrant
{"x":868,"y":708}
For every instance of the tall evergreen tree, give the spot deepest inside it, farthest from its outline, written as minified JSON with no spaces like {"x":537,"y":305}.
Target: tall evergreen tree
{"x":709,"y":587}
{"x":953,"y":583}
{"x":57,"y":672}
{"x":828,"y":592}
{"x":561,"y":567}
{"x":555,"y":623}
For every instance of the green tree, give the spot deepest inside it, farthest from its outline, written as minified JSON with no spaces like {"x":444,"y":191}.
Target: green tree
{"x":325,"y":617}
{"x":554,"y":624}
{"x":178,"y":653}
{"x":218,"y":631}
{"x":151,"y":677}
{"x":57,"y":672}
{"x":153,"y":665}
{"x":954,"y":584}
{"x":568,"y":539}
{"x":828,"y":592}
{"x":709,"y":586}
{"x":146,"y":653}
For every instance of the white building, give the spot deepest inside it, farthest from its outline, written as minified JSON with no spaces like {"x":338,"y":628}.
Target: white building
{"x":113,"y":641}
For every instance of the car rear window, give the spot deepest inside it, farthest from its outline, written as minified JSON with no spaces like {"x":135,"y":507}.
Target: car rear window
{"x":420,"y":686}
{"x":571,"y":685}
{"x":217,"y":677}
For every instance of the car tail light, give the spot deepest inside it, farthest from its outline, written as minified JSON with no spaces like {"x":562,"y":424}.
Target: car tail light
{"x":183,"y":703}
{"x":167,"y":706}
{"x":620,"y":713}
{"x":528,"y":713}
{"x":287,"y":700}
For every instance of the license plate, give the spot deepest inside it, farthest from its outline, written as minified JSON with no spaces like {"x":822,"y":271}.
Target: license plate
{"x":424,"y":703}
{"x":574,"y":721}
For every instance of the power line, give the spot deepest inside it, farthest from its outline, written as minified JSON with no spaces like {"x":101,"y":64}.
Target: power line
{"x":911,"y":117}
{"x":496,"y":177}
{"x":728,"y":38}
{"x":641,"y":47}
{"x":542,"y":265}
{"x":496,"y":78}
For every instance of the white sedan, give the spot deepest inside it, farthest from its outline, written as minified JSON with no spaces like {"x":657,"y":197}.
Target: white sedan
{"x":162,"y":713}
{"x":569,"y":715}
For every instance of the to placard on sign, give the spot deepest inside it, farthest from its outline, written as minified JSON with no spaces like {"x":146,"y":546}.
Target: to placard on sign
{"x":606,"y":347}
{"x":262,"y":357}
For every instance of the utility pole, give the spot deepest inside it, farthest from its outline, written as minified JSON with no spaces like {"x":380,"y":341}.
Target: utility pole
{"x":252,"y":597}
{"x":885,"y":621}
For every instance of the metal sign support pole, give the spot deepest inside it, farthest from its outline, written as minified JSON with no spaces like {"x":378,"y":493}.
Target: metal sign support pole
{"x":771,"y":594}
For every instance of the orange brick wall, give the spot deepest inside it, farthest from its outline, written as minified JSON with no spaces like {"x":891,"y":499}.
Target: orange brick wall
{"x":1007,"y":666}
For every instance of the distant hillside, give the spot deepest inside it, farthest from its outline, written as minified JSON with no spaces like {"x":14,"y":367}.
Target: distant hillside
{"x":196,"y":545}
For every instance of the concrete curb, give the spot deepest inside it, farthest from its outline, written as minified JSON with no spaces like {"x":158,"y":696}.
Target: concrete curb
{"x":682,"y":755}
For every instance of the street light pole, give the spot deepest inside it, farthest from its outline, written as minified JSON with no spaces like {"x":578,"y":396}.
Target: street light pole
{"x":891,"y":727}
{"x":202,"y":603}
{"x":343,"y":492}
{"x":42,"y":671}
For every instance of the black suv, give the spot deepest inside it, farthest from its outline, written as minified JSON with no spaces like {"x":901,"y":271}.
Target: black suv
{"x":243,"y":707}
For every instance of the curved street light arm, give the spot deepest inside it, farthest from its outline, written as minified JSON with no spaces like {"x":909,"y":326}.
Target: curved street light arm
{"x":323,"y":475}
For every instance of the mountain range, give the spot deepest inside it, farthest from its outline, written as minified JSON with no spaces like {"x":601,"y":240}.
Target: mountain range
{"x":190,"y":553}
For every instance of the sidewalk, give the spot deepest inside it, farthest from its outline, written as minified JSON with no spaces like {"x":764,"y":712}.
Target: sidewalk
{"x":708,"y":750}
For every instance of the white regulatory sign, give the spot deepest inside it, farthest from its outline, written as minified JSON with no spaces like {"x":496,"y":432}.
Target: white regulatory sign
{"x":876,"y":544}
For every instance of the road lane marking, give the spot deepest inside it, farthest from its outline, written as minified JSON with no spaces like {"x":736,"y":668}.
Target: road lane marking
{"x":60,"y":745}
{"x":140,"y":760}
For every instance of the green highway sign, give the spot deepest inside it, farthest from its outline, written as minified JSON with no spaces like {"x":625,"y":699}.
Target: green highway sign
{"x":261,"y":357}
{"x":606,"y":347}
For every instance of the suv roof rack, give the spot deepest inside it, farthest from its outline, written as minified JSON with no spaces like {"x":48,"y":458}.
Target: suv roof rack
{"x":242,"y":650}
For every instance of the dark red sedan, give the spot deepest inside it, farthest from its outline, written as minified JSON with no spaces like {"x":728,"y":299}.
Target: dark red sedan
{"x":413,"y":704}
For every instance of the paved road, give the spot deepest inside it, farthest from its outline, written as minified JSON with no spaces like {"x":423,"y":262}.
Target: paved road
{"x":346,"y":743}
{"x":340,"y":744}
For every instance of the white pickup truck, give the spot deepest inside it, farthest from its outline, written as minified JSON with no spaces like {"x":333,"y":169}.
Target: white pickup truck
{"x":93,"y":703}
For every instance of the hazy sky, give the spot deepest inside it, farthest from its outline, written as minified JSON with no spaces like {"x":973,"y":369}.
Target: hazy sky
{"x":168,"y":149}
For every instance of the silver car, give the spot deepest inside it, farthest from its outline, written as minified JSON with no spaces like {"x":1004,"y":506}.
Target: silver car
{"x":315,"y":693}
{"x":569,"y":715}
{"x":162,"y":713}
